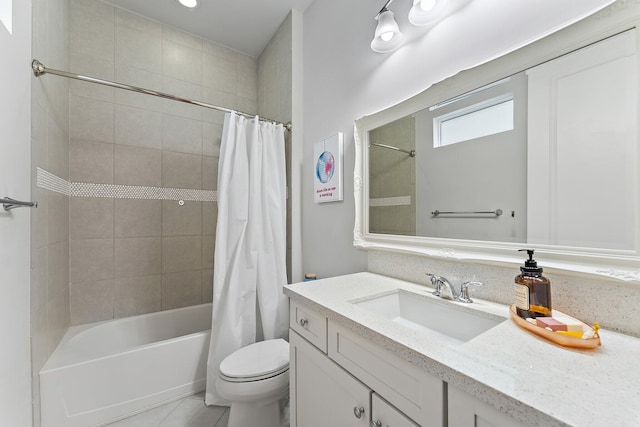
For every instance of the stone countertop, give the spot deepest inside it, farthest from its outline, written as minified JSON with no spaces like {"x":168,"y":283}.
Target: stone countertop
{"x":533,"y":380}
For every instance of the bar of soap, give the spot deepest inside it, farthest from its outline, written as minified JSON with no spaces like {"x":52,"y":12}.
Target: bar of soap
{"x":570,"y":333}
{"x":573,"y":325}
{"x":551,"y":323}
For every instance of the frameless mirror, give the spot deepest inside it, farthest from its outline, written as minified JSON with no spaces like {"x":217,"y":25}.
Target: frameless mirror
{"x":537,"y":148}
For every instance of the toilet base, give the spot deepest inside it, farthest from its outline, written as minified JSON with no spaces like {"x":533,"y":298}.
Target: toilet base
{"x":251,"y":414}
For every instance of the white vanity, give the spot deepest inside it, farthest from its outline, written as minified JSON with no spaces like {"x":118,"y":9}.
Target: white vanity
{"x":353,"y":365}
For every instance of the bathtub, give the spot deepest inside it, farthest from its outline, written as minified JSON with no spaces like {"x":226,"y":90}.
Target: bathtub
{"x":108,"y":370}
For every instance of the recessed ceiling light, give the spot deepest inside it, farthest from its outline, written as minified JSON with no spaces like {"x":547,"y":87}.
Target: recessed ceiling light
{"x":189,"y":3}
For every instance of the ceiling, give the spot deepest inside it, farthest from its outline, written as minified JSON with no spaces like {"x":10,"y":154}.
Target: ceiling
{"x":242,"y":25}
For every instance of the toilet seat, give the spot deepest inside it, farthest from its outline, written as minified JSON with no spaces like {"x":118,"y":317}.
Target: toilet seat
{"x":255,"y":362}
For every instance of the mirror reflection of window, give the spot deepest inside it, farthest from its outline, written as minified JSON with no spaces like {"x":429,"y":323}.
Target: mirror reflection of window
{"x":482,"y":119}
{"x":474,"y":160}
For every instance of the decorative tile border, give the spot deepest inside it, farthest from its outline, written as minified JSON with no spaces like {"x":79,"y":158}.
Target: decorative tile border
{"x":52,"y":182}
{"x":390,"y":201}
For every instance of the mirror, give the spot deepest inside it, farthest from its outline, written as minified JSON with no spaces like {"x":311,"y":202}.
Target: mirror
{"x":538,"y":148}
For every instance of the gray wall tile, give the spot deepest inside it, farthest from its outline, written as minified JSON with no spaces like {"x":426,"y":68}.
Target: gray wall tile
{"x":137,"y":218}
{"x":181,"y":63}
{"x":210,"y":173}
{"x":139,"y":256}
{"x":181,"y":170}
{"x":91,"y":301}
{"x":137,"y":48}
{"x":183,"y":220}
{"x":92,"y":120}
{"x":137,"y":295}
{"x":181,"y":134}
{"x":117,"y":254}
{"x":91,"y":162}
{"x":90,"y":260}
{"x":138,"y":127}
{"x":181,"y":289}
{"x":207,"y":286}
{"x":137,"y":166}
{"x":183,"y":253}
{"x":90,"y":218}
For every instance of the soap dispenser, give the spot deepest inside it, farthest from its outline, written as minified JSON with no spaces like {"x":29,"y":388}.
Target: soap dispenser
{"x":533,"y":290}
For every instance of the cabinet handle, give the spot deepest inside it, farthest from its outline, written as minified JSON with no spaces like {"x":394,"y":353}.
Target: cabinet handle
{"x":375,"y":423}
{"x":358,"y":411}
{"x":303,"y":322}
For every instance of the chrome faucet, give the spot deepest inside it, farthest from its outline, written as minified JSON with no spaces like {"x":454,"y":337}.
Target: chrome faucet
{"x":440,"y":282}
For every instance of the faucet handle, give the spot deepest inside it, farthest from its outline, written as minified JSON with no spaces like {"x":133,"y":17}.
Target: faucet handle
{"x":436,"y":281}
{"x":464,"y":291}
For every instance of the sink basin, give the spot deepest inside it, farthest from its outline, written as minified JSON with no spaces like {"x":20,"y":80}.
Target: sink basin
{"x":440,"y":318}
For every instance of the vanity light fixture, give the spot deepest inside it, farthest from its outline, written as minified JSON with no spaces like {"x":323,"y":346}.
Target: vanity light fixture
{"x":189,"y":3}
{"x":423,"y":13}
{"x":387,"y":36}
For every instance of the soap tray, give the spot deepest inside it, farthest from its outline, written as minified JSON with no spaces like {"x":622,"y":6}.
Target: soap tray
{"x":563,"y":340}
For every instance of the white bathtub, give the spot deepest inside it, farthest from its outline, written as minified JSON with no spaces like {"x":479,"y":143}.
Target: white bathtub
{"x":108,"y":370}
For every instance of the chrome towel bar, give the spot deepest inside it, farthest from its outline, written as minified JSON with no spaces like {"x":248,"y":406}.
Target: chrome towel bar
{"x":9,"y":203}
{"x":497,"y":212}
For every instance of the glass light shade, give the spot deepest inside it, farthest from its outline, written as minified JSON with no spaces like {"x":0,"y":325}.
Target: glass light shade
{"x":425,"y":12}
{"x":387,"y":36}
{"x":189,"y":3}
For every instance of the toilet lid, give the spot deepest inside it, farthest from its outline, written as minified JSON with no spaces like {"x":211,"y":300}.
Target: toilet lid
{"x":257,"y":360}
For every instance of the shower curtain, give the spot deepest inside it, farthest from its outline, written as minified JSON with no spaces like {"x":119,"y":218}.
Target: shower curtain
{"x":250,"y":249}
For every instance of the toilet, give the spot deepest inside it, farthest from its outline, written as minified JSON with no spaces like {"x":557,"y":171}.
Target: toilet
{"x":255,"y":379}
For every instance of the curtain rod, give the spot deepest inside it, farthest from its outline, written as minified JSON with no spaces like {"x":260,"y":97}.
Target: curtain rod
{"x":39,"y":69}
{"x":411,"y":153}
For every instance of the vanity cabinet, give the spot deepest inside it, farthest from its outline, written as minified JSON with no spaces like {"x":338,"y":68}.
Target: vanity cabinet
{"x":347,"y":381}
{"x":323,"y":394}
{"x":467,"y":411}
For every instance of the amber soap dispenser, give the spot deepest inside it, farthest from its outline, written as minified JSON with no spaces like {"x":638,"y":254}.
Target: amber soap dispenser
{"x":533,"y":290}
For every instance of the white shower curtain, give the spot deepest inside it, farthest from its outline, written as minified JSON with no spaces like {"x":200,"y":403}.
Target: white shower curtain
{"x":250,"y":250}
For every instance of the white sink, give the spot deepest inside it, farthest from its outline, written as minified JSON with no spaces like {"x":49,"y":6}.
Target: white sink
{"x":440,"y":318}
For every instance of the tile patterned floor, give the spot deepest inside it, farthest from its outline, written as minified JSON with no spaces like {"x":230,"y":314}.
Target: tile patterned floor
{"x":188,"y":412}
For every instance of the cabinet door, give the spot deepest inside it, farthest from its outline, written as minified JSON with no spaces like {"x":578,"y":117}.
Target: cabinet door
{"x":467,"y":411}
{"x":385,"y":415}
{"x":322,"y":393}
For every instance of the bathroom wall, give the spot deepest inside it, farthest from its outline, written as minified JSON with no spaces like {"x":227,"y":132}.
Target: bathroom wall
{"x":136,"y":253}
{"x":275,"y":97}
{"x":50,"y":221}
{"x":344,"y":80}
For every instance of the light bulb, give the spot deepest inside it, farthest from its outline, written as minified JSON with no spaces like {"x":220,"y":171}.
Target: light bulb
{"x":427,"y":5}
{"x":386,"y":36}
{"x":189,"y":3}
{"x":426,"y":12}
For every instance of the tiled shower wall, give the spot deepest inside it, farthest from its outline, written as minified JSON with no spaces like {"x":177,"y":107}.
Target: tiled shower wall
{"x":50,"y":221}
{"x":392,"y":186}
{"x":275,"y":96}
{"x":133,"y":256}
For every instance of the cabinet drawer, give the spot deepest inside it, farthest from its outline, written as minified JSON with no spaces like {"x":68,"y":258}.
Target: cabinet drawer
{"x":412,"y":390}
{"x":467,"y":411}
{"x":385,"y":415}
{"x":309,"y":324}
